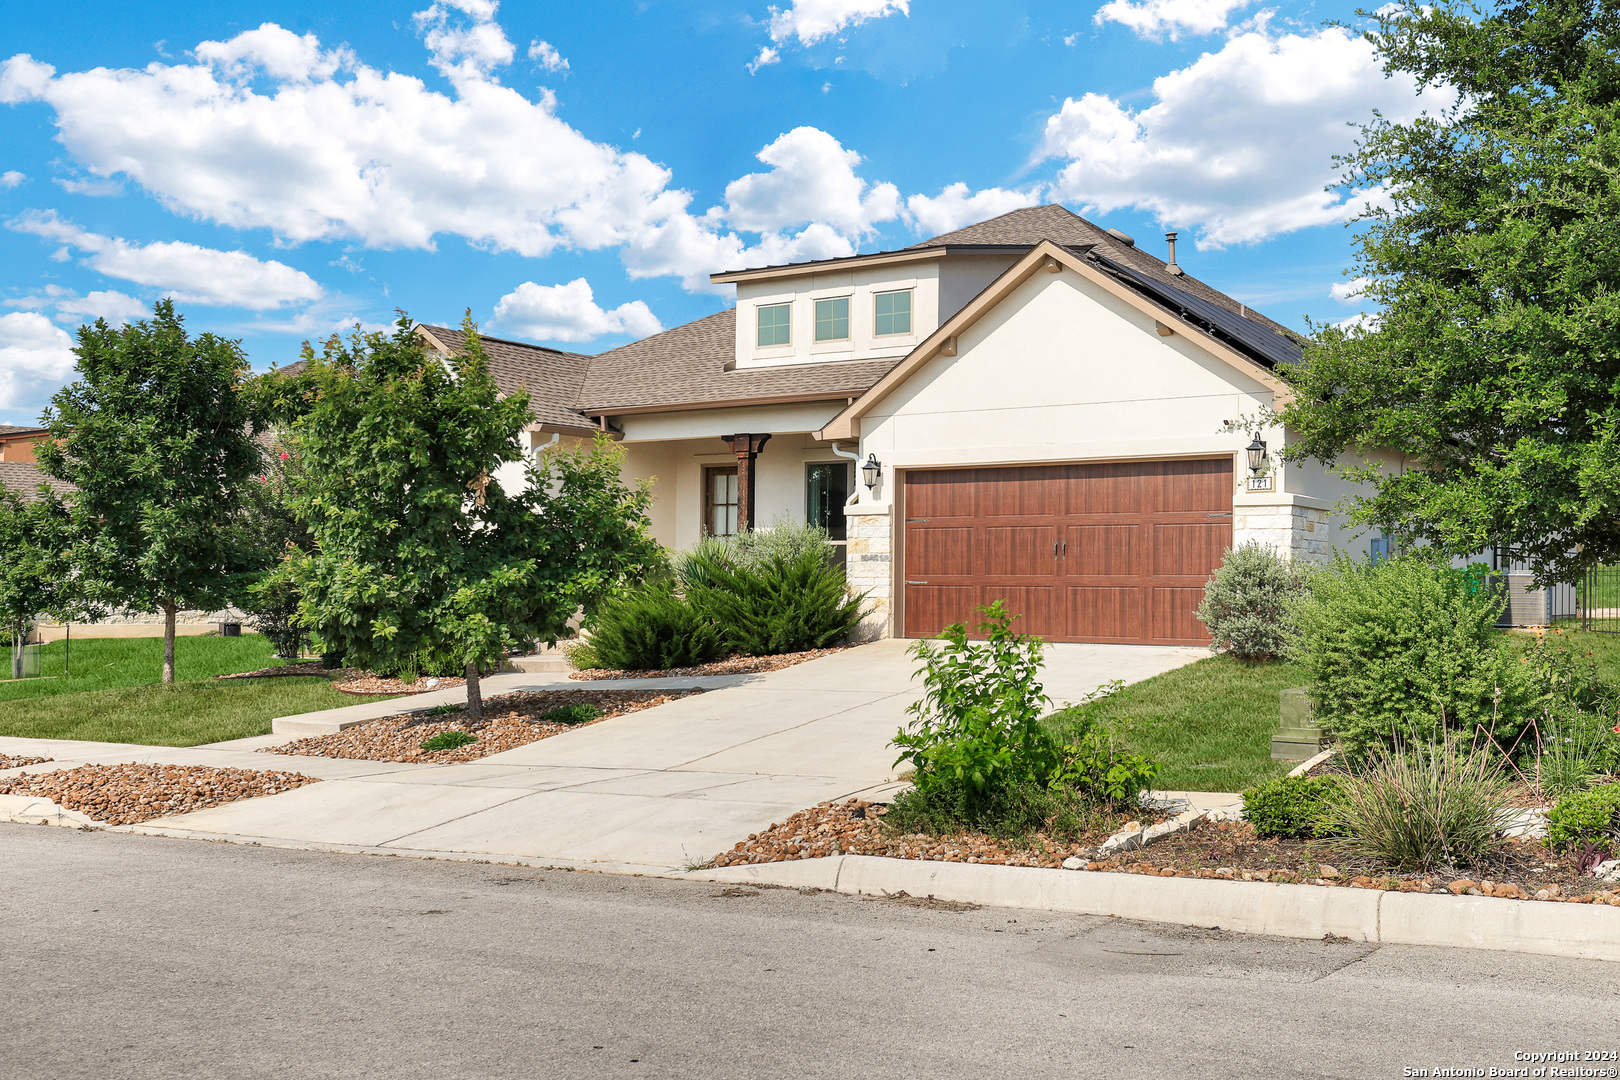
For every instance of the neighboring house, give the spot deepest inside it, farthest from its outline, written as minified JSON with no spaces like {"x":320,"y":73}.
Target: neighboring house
{"x":1031,"y":409}
{"x":17,"y":443}
{"x":24,"y":477}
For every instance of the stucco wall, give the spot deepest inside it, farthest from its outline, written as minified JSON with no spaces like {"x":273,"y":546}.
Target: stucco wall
{"x":859,"y":284}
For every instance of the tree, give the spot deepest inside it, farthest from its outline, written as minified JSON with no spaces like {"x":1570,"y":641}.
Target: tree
{"x":273,"y":531}
{"x":1494,"y":367}
{"x":420,"y":558}
{"x":157,"y":439}
{"x":37,"y":577}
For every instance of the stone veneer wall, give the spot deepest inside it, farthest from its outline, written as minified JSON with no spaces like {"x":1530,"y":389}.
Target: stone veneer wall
{"x":140,"y":625}
{"x":868,"y":565}
{"x":1299,"y":532}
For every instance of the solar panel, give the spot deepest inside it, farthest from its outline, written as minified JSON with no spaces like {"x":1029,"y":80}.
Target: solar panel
{"x":1260,"y":341}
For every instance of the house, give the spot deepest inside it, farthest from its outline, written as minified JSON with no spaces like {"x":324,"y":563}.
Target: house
{"x":17,"y":443}
{"x":1031,"y":408}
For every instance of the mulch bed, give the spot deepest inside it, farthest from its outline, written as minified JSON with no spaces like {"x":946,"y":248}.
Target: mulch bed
{"x":370,"y":684}
{"x":510,"y":721}
{"x":731,"y":665}
{"x":856,"y":827}
{"x":8,"y":761}
{"x":301,"y":667}
{"x":126,"y":794}
{"x":1522,"y":869}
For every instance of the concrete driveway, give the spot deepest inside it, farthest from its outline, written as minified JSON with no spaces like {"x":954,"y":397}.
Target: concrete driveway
{"x":655,"y":790}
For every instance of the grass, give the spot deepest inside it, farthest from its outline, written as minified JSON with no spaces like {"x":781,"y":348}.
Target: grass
{"x":112,"y":694}
{"x":1209,"y":724}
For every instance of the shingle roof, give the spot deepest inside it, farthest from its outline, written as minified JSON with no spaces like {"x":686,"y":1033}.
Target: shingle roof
{"x":12,"y":429}
{"x":687,"y":366}
{"x":1059,"y":224}
{"x":24,"y":478}
{"x":552,"y":377}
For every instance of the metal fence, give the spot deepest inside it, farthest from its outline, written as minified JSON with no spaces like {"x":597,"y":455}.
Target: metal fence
{"x":1599,"y":600}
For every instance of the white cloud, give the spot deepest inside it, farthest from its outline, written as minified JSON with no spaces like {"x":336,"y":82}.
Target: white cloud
{"x":811,"y":21}
{"x":90,"y":187}
{"x":569,"y":313}
{"x":1360,"y":321}
{"x":463,"y":51}
{"x":110,"y":304}
{"x":956,"y":206}
{"x":1346,"y":291}
{"x":547,"y":56}
{"x":768,"y":55}
{"x":1071,"y":40}
{"x":11,"y":178}
{"x":1158,"y":19}
{"x":1239,"y":144}
{"x":187,"y":272}
{"x":36,"y":357}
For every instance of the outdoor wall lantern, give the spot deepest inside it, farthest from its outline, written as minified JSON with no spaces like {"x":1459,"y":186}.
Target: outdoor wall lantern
{"x":1257,"y":454}
{"x":871,"y":471}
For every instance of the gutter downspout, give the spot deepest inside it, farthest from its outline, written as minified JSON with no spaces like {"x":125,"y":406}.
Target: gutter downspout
{"x":855,"y":456}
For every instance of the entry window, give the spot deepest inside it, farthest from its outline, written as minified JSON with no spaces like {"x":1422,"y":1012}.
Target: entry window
{"x":832,"y":319}
{"x":893,"y":313}
{"x":720,"y":501}
{"x":773,"y":324}
{"x":826,"y":488}
{"x":1380,"y":549}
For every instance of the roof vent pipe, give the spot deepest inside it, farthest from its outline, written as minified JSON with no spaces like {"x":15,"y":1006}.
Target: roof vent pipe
{"x":1170,"y":265}
{"x":1124,"y":238}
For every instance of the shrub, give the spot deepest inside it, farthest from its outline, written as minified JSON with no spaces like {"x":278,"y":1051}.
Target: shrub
{"x":749,"y":551}
{"x":1009,"y":812}
{"x":448,"y":740}
{"x":1289,"y":806}
{"x":1099,"y":770}
{"x":580,"y":713}
{"x":1585,"y":817}
{"x":650,"y":628}
{"x":787,"y":603}
{"x":1427,"y":807}
{"x":975,"y":738}
{"x":1400,"y":652}
{"x":1248,"y":602}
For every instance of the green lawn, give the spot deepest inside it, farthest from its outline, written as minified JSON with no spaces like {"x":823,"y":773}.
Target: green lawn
{"x":113,"y":695}
{"x":1209,"y":724}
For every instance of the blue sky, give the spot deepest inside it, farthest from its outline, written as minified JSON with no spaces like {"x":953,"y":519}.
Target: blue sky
{"x":572,"y":173}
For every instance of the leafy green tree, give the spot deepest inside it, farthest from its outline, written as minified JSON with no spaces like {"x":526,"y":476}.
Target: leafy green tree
{"x":33,"y":571}
{"x":157,"y":438}
{"x":273,"y":530}
{"x":1494,"y":251}
{"x":418,"y":555}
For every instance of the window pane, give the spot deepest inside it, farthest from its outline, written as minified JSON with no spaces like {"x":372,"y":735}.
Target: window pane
{"x":893,"y":313}
{"x":825,"y":490}
{"x":832,"y":319}
{"x":773,"y":325}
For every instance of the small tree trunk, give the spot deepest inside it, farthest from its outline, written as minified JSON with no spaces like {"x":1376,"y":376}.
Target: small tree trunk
{"x":16,"y":655}
{"x":168,"y":644}
{"x":475,"y":699}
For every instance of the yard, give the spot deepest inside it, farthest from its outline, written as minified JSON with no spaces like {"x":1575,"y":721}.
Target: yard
{"x":111,"y":693}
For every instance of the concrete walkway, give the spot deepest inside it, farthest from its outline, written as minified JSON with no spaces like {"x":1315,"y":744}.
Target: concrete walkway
{"x":661,"y":789}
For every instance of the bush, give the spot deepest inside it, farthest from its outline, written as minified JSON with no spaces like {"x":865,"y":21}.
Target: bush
{"x":975,"y":739}
{"x":580,"y":713}
{"x":1248,"y":602}
{"x":1585,"y":817}
{"x":1403,"y":651}
{"x":448,"y":740}
{"x":1289,"y":806}
{"x":1099,"y":770}
{"x":1009,"y":812}
{"x":650,"y":628}
{"x":1432,"y":806}
{"x":787,"y":603}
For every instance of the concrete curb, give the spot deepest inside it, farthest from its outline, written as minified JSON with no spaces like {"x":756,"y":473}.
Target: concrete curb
{"x":34,"y":810}
{"x":1301,"y":911}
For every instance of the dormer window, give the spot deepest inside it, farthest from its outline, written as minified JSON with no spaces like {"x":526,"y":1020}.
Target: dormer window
{"x":893,"y":313}
{"x":774,"y":320}
{"x":832,"y":319}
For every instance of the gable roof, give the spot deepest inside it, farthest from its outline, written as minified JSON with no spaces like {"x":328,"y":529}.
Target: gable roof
{"x":688,"y":367}
{"x":552,"y":377}
{"x":1052,"y":256}
{"x":14,"y":429}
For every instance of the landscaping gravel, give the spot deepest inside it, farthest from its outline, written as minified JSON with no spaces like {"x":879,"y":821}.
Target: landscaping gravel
{"x":301,"y":667}
{"x":7,"y":761}
{"x":731,"y":665}
{"x":126,"y":794}
{"x":370,"y":684}
{"x":510,"y":721}
{"x":1230,"y":851}
{"x":856,"y":827}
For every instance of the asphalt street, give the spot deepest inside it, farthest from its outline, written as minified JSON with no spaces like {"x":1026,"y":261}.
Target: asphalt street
{"x":131,"y":957}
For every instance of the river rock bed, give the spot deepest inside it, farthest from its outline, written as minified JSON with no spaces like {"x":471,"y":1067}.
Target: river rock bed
{"x":131,"y":793}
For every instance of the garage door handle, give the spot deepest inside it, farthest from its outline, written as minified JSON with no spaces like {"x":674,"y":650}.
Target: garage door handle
{"x":1223,"y":513}
{"x":916,"y":583}
{"x":1054,"y":549}
{"x":1065,"y":549}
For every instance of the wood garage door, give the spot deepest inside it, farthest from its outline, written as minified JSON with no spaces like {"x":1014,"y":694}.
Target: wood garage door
{"x":1116,"y":552}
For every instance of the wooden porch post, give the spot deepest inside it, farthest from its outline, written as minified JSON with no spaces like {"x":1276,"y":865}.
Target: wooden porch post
{"x":747,"y":448}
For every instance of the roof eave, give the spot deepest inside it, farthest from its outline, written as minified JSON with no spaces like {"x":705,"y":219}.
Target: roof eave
{"x":879,"y":258}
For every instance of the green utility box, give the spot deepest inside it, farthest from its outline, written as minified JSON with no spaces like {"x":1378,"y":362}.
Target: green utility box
{"x":1298,"y":737}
